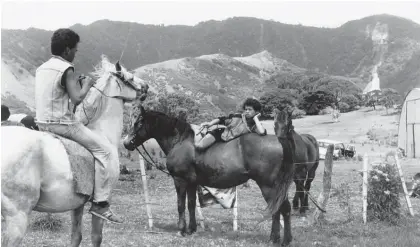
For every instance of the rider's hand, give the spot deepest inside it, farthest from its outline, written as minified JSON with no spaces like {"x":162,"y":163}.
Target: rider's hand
{"x":87,"y":80}
{"x":257,"y":116}
{"x":205,"y":125}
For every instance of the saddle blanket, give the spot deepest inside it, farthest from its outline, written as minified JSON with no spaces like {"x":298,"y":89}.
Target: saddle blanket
{"x":210,"y":196}
{"x":81,"y":162}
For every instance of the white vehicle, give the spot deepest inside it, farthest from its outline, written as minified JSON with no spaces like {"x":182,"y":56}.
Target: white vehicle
{"x":338,"y":148}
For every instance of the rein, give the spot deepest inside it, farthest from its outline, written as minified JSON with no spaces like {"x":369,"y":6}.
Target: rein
{"x":152,"y":162}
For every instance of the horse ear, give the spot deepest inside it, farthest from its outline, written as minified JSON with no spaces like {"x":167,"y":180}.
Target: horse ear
{"x":118,"y":66}
{"x":290,"y":111}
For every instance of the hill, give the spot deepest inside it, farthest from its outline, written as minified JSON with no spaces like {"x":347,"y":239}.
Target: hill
{"x":385,"y":45}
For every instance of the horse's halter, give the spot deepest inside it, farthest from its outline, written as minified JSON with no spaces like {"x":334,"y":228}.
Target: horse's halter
{"x":121,"y":78}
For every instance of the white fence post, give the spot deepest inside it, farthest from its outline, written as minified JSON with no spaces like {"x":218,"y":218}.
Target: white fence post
{"x":146,"y":191}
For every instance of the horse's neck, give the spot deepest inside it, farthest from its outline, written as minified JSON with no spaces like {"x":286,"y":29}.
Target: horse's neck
{"x":109,"y":122}
{"x":168,"y":143}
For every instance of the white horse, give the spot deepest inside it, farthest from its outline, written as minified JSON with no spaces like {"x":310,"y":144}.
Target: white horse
{"x":36,"y":167}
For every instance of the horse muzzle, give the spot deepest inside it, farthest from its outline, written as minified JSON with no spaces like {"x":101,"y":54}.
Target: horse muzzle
{"x":129,"y":143}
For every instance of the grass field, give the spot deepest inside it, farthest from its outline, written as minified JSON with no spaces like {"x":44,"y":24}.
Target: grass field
{"x":344,"y":225}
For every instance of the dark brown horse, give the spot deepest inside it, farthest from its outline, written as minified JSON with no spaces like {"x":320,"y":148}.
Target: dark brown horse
{"x":306,"y":162}
{"x":268,"y":160}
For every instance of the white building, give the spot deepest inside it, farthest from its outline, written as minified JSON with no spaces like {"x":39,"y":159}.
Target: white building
{"x":409,"y":126}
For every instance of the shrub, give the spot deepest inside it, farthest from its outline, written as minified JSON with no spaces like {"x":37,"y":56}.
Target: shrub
{"x":298,"y":113}
{"x":325,"y":111}
{"x":383,"y":188}
{"x":344,"y":107}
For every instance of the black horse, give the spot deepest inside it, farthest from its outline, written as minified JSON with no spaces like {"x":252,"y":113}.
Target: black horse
{"x":268,"y":160}
{"x":306,"y":162}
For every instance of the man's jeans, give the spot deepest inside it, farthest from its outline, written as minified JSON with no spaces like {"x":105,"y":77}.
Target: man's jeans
{"x":106,"y":155}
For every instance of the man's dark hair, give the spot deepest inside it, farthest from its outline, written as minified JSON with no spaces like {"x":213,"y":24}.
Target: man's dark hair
{"x":255,"y":104}
{"x":5,"y":113}
{"x":63,"y":38}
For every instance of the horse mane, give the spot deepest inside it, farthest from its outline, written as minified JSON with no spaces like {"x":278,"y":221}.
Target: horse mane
{"x":92,"y":105}
{"x":173,"y":123}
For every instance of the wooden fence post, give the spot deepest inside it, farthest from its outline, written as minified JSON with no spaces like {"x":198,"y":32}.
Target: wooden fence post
{"x":235,"y":211}
{"x":146,"y":192}
{"x":323,"y":197}
{"x":200,"y":214}
{"x":407,"y":198}
{"x":365,"y":181}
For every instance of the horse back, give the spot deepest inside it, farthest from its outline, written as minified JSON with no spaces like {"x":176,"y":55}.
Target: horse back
{"x":247,"y":148}
{"x":234,"y":162}
{"x":307,"y":148}
{"x":59,"y":158}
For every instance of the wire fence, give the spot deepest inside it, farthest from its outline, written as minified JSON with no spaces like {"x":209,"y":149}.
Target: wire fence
{"x":342,"y":193}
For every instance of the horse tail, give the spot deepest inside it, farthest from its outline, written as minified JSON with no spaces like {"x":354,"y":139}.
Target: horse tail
{"x":284,"y":178}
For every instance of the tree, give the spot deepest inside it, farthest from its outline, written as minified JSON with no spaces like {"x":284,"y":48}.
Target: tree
{"x":277,"y":99}
{"x":372,"y":98}
{"x":389,"y":98}
{"x":351,"y":101}
{"x":313,"y":102}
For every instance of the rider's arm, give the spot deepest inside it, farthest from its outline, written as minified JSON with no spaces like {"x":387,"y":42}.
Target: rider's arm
{"x":214,"y":121}
{"x":258,"y":127}
{"x":76,"y":94}
{"x":226,"y":120}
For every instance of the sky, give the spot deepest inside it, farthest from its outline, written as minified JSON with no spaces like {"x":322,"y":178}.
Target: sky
{"x":51,"y":15}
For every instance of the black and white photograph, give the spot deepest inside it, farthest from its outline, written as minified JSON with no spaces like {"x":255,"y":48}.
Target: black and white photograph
{"x":210,"y":123}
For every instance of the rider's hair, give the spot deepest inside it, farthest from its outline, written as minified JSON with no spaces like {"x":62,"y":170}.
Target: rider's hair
{"x":254,"y":103}
{"x":5,"y":113}
{"x":63,"y":38}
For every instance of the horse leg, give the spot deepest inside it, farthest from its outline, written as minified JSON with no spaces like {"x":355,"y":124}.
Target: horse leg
{"x":76,"y":228}
{"x":299,"y":194}
{"x":97,"y":226}
{"x":311,"y":176}
{"x":302,"y":196}
{"x":15,"y":228}
{"x":192,"y":196}
{"x":285,"y":211}
{"x":16,"y":218}
{"x":275,"y":218}
{"x":181,"y":191}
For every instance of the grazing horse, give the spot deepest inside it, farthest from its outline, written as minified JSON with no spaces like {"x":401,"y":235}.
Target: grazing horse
{"x":268,"y":160}
{"x":306,"y":162}
{"x":36,"y":167}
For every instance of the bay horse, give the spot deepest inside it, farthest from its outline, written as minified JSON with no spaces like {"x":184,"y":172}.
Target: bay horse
{"x":306,"y":162}
{"x":36,"y":173}
{"x":268,"y":160}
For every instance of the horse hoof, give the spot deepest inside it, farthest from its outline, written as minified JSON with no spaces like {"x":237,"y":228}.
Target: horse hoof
{"x":285,"y":243}
{"x":181,"y":234}
{"x":191,"y":231}
{"x":275,"y":240}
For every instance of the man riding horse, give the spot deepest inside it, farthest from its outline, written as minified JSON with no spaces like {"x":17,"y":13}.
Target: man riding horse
{"x":55,"y":86}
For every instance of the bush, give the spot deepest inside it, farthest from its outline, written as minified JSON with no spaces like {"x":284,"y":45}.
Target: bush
{"x":351,"y":101}
{"x":383,"y":198}
{"x":326,"y":111}
{"x":298,"y":113}
{"x":344,"y":107}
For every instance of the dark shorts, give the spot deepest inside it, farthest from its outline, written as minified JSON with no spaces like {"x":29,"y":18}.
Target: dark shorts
{"x":217,"y":133}
{"x":29,"y":122}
